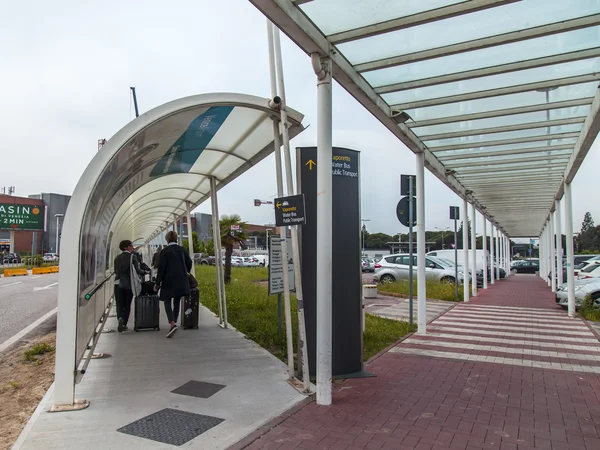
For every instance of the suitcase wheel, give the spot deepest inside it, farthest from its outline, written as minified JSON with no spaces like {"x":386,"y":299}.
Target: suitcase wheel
{"x":157,"y":328}
{"x":196,"y":327}
{"x":136,"y":329}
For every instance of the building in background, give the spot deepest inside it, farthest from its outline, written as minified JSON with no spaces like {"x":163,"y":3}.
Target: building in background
{"x":32,"y":221}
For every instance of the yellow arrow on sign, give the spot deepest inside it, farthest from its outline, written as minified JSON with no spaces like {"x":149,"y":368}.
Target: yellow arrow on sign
{"x":310,"y":164}
{"x":278,"y":205}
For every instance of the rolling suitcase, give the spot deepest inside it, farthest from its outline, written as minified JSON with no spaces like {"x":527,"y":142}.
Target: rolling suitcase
{"x":191,"y":308}
{"x":147,"y":313}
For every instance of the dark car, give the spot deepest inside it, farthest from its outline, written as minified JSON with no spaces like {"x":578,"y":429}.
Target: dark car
{"x":530,"y":266}
{"x":489,"y":276}
{"x":11,"y":258}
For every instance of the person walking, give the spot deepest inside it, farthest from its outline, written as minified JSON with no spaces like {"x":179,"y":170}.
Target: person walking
{"x":172,"y":278}
{"x":123,"y":283}
{"x":156,"y":258}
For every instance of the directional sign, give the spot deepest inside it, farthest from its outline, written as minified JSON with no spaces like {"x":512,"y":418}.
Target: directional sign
{"x":310,"y":163}
{"x":276,"y":265}
{"x":402,"y":211}
{"x":454,"y":213}
{"x":405,"y":182}
{"x":290,"y":211}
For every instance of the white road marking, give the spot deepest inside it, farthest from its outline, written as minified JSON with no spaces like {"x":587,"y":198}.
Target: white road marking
{"x":26,"y":330}
{"x":10,"y":284}
{"x":45,"y":287}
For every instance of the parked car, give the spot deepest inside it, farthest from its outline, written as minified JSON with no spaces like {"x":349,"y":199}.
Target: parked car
{"x":237,"y":261}
{"x":250,"y":261}
{"x":367,"y":265}
{"x":396,"y":267}
{"x":528,"y":266}
{"x":582,"y":290}
{"x":11,"y":258}
{"x":50,"y":257}
{"x":263,"y":260}
{"x":562,"y":291}
{"x":592,"y":270}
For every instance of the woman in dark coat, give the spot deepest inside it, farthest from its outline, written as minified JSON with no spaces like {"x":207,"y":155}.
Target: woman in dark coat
{"x":172,"y":278}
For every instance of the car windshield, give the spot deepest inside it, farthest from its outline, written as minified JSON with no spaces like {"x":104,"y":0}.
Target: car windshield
{"x":442,"y":262}
{"x":591,"y":268}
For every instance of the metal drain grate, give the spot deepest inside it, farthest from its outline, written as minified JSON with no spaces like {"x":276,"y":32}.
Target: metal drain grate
{"x":171,"y":426}
{"x":198,"y":389}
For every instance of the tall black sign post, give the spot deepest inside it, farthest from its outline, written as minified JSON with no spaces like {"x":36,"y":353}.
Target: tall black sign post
{"x":346,"y":252}
{"x":455,"y":214}
{"x":408,"y":216}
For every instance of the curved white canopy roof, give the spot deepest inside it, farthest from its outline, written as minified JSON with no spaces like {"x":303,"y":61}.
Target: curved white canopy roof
{"x":142,"y":177}
{"x":500,"y":95}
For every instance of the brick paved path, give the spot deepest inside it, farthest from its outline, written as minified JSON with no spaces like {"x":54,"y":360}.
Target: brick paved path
{"x":507,"y":371}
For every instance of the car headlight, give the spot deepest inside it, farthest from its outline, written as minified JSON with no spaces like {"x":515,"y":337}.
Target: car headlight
{"x":577,"y":288}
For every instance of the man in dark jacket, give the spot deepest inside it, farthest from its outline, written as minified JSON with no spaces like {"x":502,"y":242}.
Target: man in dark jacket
{"x":172,"y":278}
{"x":123,"y":286}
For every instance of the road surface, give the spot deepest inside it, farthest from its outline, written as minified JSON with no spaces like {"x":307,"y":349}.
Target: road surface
{"x":25,"y":299}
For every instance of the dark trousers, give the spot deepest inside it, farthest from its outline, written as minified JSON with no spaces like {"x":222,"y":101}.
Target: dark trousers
{"x":123,"y":299}
{"x":172,"y":309}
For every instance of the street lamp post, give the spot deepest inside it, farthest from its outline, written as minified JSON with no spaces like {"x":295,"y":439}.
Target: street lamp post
{"x":443,"y":231}
{"x":58,"y":216}
{"x":267,"y":243}
{"x":363,"y":234}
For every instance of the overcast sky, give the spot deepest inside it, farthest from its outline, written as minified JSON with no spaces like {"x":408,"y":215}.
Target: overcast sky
{"x":66,"y":68}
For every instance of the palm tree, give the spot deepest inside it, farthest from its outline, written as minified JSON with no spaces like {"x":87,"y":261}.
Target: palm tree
{"x":229,"y":238}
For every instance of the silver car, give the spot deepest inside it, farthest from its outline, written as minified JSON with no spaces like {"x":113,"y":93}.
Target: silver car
{"x":396,"y":267}
{"x":583,"y":288}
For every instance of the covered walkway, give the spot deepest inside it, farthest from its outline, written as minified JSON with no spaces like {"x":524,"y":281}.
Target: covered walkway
{"x":234,"y":386}
{"x":509,"y":370}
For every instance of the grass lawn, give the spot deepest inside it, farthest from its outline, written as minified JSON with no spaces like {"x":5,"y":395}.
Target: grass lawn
{"x":588,"y":310}
{"x":435,"y":290}
{"x":253,"y":312}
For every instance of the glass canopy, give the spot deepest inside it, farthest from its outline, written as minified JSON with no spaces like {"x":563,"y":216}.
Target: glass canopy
{"x":497,"y":93}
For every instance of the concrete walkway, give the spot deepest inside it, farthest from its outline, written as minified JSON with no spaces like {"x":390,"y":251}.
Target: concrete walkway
{"x":509,"y":370}
{"x":227,"y":387}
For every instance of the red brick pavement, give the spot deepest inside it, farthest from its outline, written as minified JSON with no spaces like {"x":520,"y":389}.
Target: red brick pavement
{"x":420,"y":402}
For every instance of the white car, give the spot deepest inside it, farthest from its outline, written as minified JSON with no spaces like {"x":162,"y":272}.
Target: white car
{"x":396,"y":267}
{"x":592,"y":270}
{"x":50,"y":257}
{"x":250,"y":261}
{"x":582,"y":290}
{"x":237,"y":261}
{"x":263,"y":260}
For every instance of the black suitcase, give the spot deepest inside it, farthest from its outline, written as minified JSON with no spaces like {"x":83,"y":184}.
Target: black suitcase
{"x":191,"y":308}
{"x":147,"y":287}
{"x":147,"y":313}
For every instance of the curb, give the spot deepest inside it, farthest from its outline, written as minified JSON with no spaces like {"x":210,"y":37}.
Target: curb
{"x":264,"y":429}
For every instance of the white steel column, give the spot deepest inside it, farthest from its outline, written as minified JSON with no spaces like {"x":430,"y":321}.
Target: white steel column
{"x":492,"y":255}
{"x":282,"y":230}
{"x":466,"y":275}
{"x":474,"y":248}
{"x":485,"y":252}
{"x":548,"y":253}
{"x":421,"y":281}
{"x":559,"y":247}
{"x":552,"y":252}
{"x":190,"y":238}
{"x":294,"y":230}
{"x":497,"y":244}
{"x":218,"y":254}
{"x":570,"y":259}
{"x":508,"y":256}
{"x":322,"y":68}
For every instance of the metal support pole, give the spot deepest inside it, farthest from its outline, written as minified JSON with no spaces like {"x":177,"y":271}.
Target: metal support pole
{"x":559,"y":247}
{"x":294,"y":230}
{"x":188,"y":218}
{"x":485,"y":253}
{"x":570,"y":250}
{"x":216,"y":238}
{"x":474,"y":248}
{"x":492,"y":255}
{"x":467,"y":274}
{"x":549,"y":273}
{"x":455,"y":259}
{"x":421,"y":280}
{"x":552,"y":253}
{"x":411,"y":220}
{"x":322,"y":68}
{"x":497,"y":244}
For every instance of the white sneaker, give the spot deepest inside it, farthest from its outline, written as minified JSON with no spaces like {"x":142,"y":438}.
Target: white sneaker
{"x":172,"y":331}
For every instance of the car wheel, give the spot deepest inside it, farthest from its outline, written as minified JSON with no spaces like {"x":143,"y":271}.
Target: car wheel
{"x":204,"y":263}
{"x":447,"y":280}
{"x":386,"y":279}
